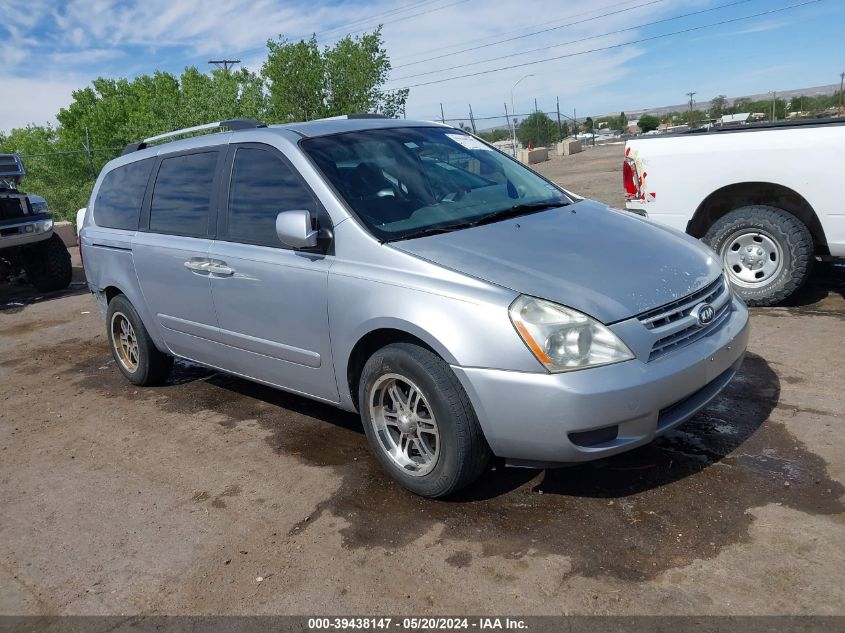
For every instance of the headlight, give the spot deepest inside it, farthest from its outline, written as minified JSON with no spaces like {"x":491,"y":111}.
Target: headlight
{"x":39,"y":206}
{"x":564,"y":339}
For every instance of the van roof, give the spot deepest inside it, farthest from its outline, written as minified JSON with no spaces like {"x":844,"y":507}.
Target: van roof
{"x":224,"y":130}
{"x":325,"y":127}
{"x":318,"y":127}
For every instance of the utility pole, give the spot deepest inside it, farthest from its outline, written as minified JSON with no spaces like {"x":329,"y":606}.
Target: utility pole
{"x":691,"y":102}
{"x":537,"y":126}
{"x":442,"y":116}
{"x":559,"y":127}
{"x":575,"y":124}
{"x":841,"y":84}
{"x":87,"y":146}
{"x":224,"y":63}
{"x":512,"y":130}
{"x":471,"y":119}
{"x":774,"y":97}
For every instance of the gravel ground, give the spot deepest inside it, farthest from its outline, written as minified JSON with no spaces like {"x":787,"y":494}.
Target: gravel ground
{"x":594,"y":173}
{"x":176,"y":499}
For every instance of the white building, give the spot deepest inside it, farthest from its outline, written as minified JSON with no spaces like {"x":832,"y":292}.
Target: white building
{"x":734,"y":119}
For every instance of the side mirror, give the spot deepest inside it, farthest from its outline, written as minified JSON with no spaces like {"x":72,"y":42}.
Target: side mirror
{"x":294,"y":229}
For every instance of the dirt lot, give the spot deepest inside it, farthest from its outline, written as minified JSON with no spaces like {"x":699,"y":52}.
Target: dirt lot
{"x":119,"y":500}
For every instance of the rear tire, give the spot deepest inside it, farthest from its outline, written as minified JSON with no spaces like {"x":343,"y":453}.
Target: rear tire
{"x":767,"y":252}
{"x":135,"y":354}
{"x":47,"y":265}
{"x":443,"y":449}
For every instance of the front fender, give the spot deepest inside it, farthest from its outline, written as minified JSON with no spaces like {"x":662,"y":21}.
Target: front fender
{"x":469,"y":331}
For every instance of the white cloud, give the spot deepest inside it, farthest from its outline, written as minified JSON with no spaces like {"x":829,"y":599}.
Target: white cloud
{"x":83,"y":38}
{"x":36,"y":100}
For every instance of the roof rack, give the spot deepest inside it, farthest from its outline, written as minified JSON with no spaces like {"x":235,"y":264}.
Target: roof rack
{"x":349,"y":117}
{"x":232,"y":124}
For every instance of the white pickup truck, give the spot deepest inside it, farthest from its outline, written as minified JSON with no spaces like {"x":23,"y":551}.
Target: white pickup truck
{"x":767,"y":198}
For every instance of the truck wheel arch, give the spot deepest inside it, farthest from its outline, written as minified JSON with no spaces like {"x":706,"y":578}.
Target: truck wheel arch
{"x":734,"y":196}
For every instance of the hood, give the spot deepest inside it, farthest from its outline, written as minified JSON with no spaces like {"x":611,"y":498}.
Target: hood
{"x":606,"y":263}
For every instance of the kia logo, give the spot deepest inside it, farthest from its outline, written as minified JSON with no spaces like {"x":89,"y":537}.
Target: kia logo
{"x":703,"y":313}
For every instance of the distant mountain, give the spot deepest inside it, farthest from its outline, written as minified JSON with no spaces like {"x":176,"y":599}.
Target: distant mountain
{"x":815,"y":91}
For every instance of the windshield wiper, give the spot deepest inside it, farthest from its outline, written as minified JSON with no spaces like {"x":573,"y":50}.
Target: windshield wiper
{"x":511,"y":212}
{"x":519,"y":209}
{"x":432,"y":230}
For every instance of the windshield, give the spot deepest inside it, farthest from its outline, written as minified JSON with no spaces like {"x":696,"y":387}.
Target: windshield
{"x":407,"y":182}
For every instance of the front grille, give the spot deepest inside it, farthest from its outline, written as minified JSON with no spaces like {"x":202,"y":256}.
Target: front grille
{"x":673,"y":324}
{"x":12,"y":208}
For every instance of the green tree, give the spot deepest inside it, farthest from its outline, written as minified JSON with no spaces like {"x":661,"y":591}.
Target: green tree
{"x":648,"y":122}
{"x":63,"y":179}
{"x":294,"y":73}
{"x":393,"y":103}
{"x":537,"y":129}
{"x":717,"y":106}
{"x":306,"y":83}
{"x":298,"y":82}
{"x":498,"y":134}
{"x":743,"y":104}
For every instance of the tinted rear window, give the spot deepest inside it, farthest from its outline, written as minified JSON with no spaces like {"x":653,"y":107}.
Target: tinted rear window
{"x":182,"y":195}
{"x":121,"y":194}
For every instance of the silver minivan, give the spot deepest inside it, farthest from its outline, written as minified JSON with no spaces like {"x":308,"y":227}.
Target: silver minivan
{"x":466,"y":306}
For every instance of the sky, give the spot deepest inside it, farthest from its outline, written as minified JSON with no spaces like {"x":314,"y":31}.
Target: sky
{"x":596,"y":56}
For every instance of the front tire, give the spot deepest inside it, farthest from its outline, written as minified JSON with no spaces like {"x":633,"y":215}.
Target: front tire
{"x":47,"y":265}
{"x":135,"y":354}
{"x":419,"y":421}
{"x":767,"y":252}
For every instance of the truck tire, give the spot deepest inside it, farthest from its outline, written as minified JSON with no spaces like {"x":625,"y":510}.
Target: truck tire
{"x":134,"y":352}
{"x":419,"y":421}
{"x":767,"y":252}
{"x":47,"y":265}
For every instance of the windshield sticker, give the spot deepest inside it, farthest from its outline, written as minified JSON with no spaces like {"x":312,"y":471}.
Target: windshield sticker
{"x":411,"y":145}
{"x":468,"y":142}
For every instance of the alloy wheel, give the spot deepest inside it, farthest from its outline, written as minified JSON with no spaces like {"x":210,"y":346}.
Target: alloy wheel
{"x":404,"y":424}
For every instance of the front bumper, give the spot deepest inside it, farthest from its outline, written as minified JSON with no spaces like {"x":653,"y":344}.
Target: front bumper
{"x":530,"y":418}
{"x":23,"y":231}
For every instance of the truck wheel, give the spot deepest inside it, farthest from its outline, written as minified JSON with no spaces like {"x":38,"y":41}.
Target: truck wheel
{"x":134,"y":352}
{"x":47,"y":265}
{"x":767,"y":252}
{"x":419,"y":421}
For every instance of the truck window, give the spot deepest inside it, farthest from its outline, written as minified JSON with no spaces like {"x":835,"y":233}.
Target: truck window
{"x":182,"y":195}
{"x":118,"y":202}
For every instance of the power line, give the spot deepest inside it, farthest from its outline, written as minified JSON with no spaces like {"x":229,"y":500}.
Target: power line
{"x":369,"y":19}
{"x":546,"y":30}
{"x":413,"y":15}
{"x":372,"y":24}
{"x":519,"y":30}
{"x":613,"y":46}
{"x":578,"y":41}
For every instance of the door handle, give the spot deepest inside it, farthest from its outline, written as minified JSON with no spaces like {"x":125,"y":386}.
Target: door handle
{"x":197,"y":265}
{"x":219,"y":268}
